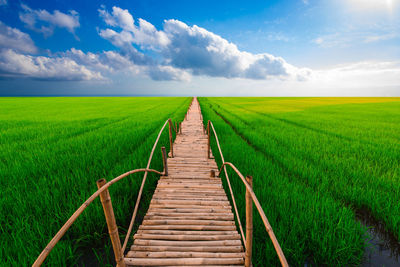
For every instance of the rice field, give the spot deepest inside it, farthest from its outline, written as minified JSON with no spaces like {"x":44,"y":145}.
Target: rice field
{"x":52,"y":151}
{"x":315,"y":162}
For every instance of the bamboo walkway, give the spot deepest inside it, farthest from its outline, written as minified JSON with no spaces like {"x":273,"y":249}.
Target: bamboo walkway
{"x":190,"y":220}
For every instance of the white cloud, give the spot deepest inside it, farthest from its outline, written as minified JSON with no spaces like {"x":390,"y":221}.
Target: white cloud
{"x":205,"y":53}
{"x":121,"y":39}
{"x":118,"y":17}
{"x":380,"y":37}
{"x":168,"y":73}
{"x":16,"y":60}
{"x":193,"y":49}
{"x":45,"y":22}
{"x":15,"y":39}
{"x":354,"y":37}
{"x":3,"y":2}
{"x":109,"y":62}
{"x":104,"y":62}
{"x":14,"y":64}
{"x":358,"y":76}
{"x":143,"y":34}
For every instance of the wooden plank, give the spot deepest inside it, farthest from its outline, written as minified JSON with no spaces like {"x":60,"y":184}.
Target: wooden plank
{"x":218,"y":243}
{"x":172,"y":232}
{"x":166,"y":205}
{"x":181,"y":261}
{"x":190,"y":216}
{"x":172,"y":254}
{"x":190,"y":190}
{"x":183,"y":248}
{"x":188,"y":237}
{"x":199,"y":186}
{"x":183,"y":210}
{"x":200,"y":197}
{"x":188,"y":227}
{"x":176,"y":214}
{"x":191,"y":202}
{"x":186,"y":222}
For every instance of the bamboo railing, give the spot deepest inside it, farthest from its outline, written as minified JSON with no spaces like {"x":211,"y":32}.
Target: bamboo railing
{"x":104,"y":195}
{"x":107,"y":206}
{"x":250,"y":198}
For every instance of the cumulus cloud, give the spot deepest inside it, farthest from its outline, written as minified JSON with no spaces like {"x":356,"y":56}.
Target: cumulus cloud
{"x":45,"y":22}
{"x":176,"y":52}
{"x":205,"y":53}
{"x":14,"y":64}
{"x":144,"y":34}
{"x":165,"y":73}
{"x":17,"y":60}
{"x":104,"y":62}
{"x":15,"y":39}
{"x":107,"y":62}
{"x":192,"y":49}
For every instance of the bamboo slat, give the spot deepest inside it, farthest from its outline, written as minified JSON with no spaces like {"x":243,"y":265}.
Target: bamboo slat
{"x":181,"y":237}
{"x":170,"y":254}
{"x":190,"y":249}
{"x":189,"y":227}
{"x":182,"y":261}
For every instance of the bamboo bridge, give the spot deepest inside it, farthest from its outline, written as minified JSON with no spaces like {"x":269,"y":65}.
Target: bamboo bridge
{"x":189,"y":221}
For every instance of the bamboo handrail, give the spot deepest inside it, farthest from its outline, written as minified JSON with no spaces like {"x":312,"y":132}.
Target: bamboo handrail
{"x":229,"y":185}
{"x":79,"y":211}
{"x":268,"y":227}
{"x":141,"y":189}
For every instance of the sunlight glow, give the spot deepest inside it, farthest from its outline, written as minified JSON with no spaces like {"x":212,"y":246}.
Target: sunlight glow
{"x":373,"y":5}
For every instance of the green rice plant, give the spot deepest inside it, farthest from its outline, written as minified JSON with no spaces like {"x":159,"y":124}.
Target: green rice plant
{"x":314,"y":162}
{"x":52,"y":151}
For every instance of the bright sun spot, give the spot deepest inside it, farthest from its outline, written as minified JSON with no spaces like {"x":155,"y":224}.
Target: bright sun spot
{"x":373,"y":5}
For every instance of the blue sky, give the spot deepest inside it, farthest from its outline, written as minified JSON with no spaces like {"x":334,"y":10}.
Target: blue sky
{"x":266,"y":48}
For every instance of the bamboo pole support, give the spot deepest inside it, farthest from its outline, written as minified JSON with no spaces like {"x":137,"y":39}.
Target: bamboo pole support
{"x":176,"y":127}
{"x":249,"y":224}
{"x":164,"y":156}
{"x":111,"y":224}
{"x":208,"y":139}
{"x":180,"y":127}
{"x":171,"y":144}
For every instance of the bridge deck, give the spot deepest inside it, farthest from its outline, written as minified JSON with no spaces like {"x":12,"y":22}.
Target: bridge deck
{"x":190,"y":220}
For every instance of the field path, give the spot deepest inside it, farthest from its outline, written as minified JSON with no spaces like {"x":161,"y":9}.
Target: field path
{"x":190,"y":220}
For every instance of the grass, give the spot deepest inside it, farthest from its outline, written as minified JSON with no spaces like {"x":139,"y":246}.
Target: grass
{"x":52,"y":151}
{"x":314,"y":162}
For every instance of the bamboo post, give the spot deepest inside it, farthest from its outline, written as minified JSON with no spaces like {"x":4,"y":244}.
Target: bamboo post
{"x":180,"y":127}
{"x":111,"y":224}
{"x":164,"y":156}
{"x":208,"y":139}
{"x":176,"y":127}
{"x":171,"y":144}
{"x":249,"y":224}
